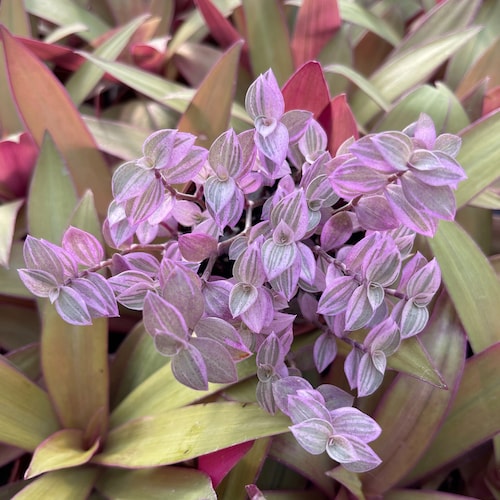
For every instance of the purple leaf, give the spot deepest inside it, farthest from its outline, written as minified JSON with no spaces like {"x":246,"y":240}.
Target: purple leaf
{"x":369,"y":377}
{"x":71,"y":307}
{"x":40,"y":254}
{"x":188,"y":367}
{"x":39,"y":283}
{"x":85,"y":247}
{"x":351,"y":366}
{"x":436,"y":169}
{"x":336,"y":231}
{"x":218,"y":362}
{"x":270,"y":352}
{"x":307,"y":263}
{"x":248,"y":267}
{"x":186,"y":168}
{"x":424,"y":283}
{"x":335,"y":397}
{"x":274,"y":145}
{"x":265,"y":397}
{"x":141,"y":261}
{"x":225,"y":155}
{"x":313,"y":142}
{"x":260,"y":312}
{"x":307,"y":404}
{"x":423,"y":130}
{"x":287,"y":386}
{"x":335,"y":299}
{"x":385,"y":263}
{"x":313,"y":435}
{"x":324,"y":351}
{"x":292,"y":210}
{"x":196,"y":247}
{"x":286,"y":283}
{"x":384,"y":337}
{"x":395,"y":148}
{"x":448,"y":144}
{"x":186,"y":213}
{"x":218,"y":193}
{"x":296,"y":122}
{"x":278,"y":257}
{"x":160,"y":317}
{"x":242,"y":296}
{"x":367,"y":458}
{"x":131,"y":180}
{"x":264,"y":97}
{"x":410,"y":317}
{"x":339,"y":448}
{"x":97,"y":294}
{"x":216,"y":294}
{"x":375,"y":213}
{"x":138,"y":209}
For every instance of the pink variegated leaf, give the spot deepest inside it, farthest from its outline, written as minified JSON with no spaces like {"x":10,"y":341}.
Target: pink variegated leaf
{"x":231,"y":213}
{"x":384,"y":337}
{"x":187,"y":168}
{"x":188,"y":367}
{"x":219,"y":363}
{"x":375,"y":213}
{"x":335,"y":397}
{"x":119,"y":233}
{"x":313,"y":142}
{"x":355,"y":255}
{"x":351,"y":366}
{"x":264,"y":395}
{"x":274,"y":145}
{"x":85,"y":247}
{"x":296,"y":122}
{"x":367,"y":153}
{"x":141,"y":261}
{"x":410,"y":317}
{"x":292,"y":210}
{"x":39,"y":283}
{"x":324,"y":351}
{"x":146,"y":204}
{"x":288,"y":386}
{"x":121,"y":282}
{"x":319,"y":193}
{"x":395,"y":148}
{"x":286,"y":283}
{"x":248,"y":267}
{"x":436,"y":169}
{"x":339,"y":448}
{"x":225,"y":155}
{"x":359,"y":308}
{"x":308,"y":306}
{"x":216,"y":294}
{"x":258,"y":314}
{"x":336,"y":231}
{"x":307,"y":404}
{"x":186,"y":213}
{"x":71,"y":307}
{"x":313,"y":435}
{"x":307,"y":263}
{"x":366,"y":460}
{"x":369,"y":376}
{"x":218,"y":193}
{"x":97,"y":294}
{"x":157,"y":148}
{"x":160,"y":317}
{"x":438,"y":201}
{"x":270,"y":352}
{"x":424,"y":283}
{"x":40,"y":254}
{"x":423,"y":130}
{"x":448,"y":144}
{"x":277,"y":257}
{"x":183,"y":146}
{"x":242,"y":296}
{"x":416,"y":262}
{"x":413,"y":218}
{"x":353,"y":422}
{"x":264,"y":97}
{"x":196,"y":247}
{"x":336,"y":298}
{"x":130,"y":180}
{"x":384,"y":265}
{"x":265,"y":126}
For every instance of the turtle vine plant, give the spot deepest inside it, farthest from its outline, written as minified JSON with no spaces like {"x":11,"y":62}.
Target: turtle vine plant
{"x":217,"y":248}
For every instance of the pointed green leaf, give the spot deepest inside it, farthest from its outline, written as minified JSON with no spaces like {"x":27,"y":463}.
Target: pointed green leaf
{"x":55,"y":113}
{"x":185,"y":433}
{"x":69,"y":484}
{"x":62,"y":12}
{"x":25,"y":413}
{"x":218,"y":86}
{"x":480,"y":157}
{"x":268,"y":39}
{"x":148,"y":398}
{"x":85,"y":216}
{"x":52,"y":197}
{"x":82,"y":81}
{"x":27,"y":360}
{"x":473,"y":417}
{"x":63,"y":449}
{"x":410,"y":412}
{"x":8,"y":216}
{"x":349,"y":480}
{"x":400,"y":73}
{"x":471,"y":283}
{"x":75,"y":366}
{"x":156,"y":484}
{"x":13,"y":16}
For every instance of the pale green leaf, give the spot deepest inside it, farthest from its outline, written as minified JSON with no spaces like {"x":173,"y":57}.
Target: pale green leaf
{"x":21,"y":319}
{"x":64,"y":31}
{"x":85,"y":216}
{"x":156,"y":484}
{"x":148,"y":398}
{"x":75,"y":366}
{"x":63,"y":449}
{"x":471,"y":283}
{"x":11,"y":283}
{"x":410,"y":412}
{"x":13,"y":16}
{"x":488,"y":199}
{"x":62,"y":12}
{"x":52,"y":196}
{"x":268,"y":39}
{"x":185,"y":433}
{"x":82,"y":81}
{"x":69,"y":484}
{"x":473,"y":416}
{"x":25,"y":413}
{"x":117,"y":138}
{"x":26,"y":360}
{"x":401,"y":73}
{"x":8,"y":216}
{"x":349,"y":480}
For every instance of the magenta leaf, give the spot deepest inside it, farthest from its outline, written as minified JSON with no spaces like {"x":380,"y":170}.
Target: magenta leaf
{"x":353,"y":178}
{"x":395,"y":148}
{"x":336,"y":231}
{"x":130,"y":180}
{"x":436,"y":169}
{"x":71,"y":307}
{"x":292,"y":210}
{"x":375,"y":213}
{"x":195,"y":247}
{"x":85,"y":247}
{"x":264,"y":97}
{"x":313,"y":435}
{"x":259,"y":314}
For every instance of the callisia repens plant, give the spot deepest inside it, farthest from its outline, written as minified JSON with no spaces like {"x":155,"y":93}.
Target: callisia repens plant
{"x":225,"y":250}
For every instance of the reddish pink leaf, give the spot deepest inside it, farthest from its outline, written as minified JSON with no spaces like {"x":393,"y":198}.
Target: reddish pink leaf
{"x":17,"y":160}
{"x":491,"y":100}
{"x":221,"y":29}
{"x":339,"y":122}
{"x":148,"y":57}
{"x":297,"y":90}
{"x":219,"y":463}
{"x":317,"y":22}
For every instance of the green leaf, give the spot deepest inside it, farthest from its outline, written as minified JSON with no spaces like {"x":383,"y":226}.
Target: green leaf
{"x":52,"y":197}
{"x":473,"y":416}
{"x":410,"y":412}
{"x":268,"y":39}
{"x":117,"y":138}
{"x":82,"y":81}
{"x":62,"y":12}
{"x":438,"y":102}
{"x":69,"y":484}
{"x":8,"y":216}
{"x":23,"y":320}
{"x":349,"y":480}
{"x":185,"y":433}
{"x":471,"y":282}
{"x":11,"y":283}
{"x":480,"y":157}
{"x":218,"y":86}
{"x":25,"y":413}
{"x":13,"y":16}
{"x":85,"y":216}
{"x":27,"y":360}
{"x":156,"y":484}
{"x":63,"y":449}
{"x":75,"y":366}
{"x":401,"y":73}
{"x":149,"y":397}
{"x":354,"y":13}
{"x":55,"y":113}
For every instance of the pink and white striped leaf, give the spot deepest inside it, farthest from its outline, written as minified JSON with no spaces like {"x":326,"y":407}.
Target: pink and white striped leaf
{"x":71,"y":307}
{"x":83,"y":246}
